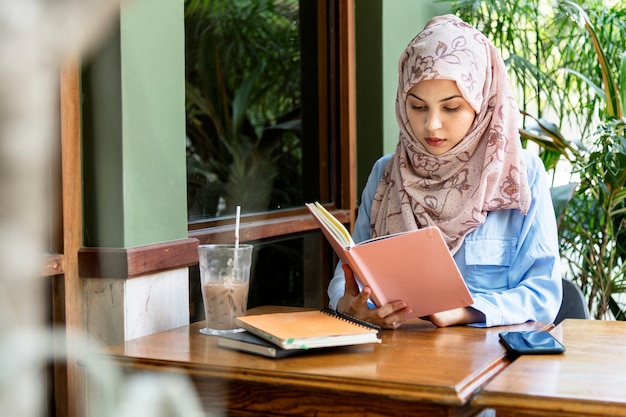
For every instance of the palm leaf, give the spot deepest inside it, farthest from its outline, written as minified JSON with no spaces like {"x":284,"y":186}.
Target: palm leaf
{"x":561,"y":196}
{"x":622,"y":77}
{"x":595,"y":87}
{"x":548,"y":136}
{"x":613,"y":105}
{"x":242,"y":100}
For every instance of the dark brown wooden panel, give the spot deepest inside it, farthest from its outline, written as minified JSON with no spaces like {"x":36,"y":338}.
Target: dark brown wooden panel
{"x":137,"y":261}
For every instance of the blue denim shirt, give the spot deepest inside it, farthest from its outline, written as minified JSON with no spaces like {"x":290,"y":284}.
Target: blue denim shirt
{"x":511,"y":263}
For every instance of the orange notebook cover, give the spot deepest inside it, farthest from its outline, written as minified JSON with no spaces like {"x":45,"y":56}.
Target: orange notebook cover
{"x":310,"y":329}
{"x":416,"y":266}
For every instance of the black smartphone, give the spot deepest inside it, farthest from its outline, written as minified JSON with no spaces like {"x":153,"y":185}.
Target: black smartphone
{"x":537,"y":342}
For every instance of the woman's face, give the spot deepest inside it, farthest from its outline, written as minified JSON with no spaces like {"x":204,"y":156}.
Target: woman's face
{"x":438,"y":114}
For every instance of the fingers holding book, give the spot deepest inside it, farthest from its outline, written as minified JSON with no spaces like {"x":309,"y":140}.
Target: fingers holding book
{"x":355,"y":302}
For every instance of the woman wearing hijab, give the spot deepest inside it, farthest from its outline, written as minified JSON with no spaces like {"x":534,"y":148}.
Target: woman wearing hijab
{"x":459,"y":165}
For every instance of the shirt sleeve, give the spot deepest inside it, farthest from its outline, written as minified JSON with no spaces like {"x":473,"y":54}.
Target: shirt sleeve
{"x":511,"y":263}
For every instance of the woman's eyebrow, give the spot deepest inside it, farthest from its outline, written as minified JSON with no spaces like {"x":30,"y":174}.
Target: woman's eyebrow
{"x":440,"y":101}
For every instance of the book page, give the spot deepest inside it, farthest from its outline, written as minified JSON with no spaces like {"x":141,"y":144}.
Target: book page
{"x":333,"y":225}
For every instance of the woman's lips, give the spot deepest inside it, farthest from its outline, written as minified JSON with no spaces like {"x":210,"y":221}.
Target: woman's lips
{"x":435,"y":141}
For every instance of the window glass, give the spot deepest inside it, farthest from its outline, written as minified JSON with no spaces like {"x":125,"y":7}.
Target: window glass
{"x":245,"y":62}
{"x":243,"y":106}
{"x":284,"y":272}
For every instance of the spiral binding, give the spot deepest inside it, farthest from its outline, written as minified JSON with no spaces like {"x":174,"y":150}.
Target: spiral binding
{"x":353,"y":319}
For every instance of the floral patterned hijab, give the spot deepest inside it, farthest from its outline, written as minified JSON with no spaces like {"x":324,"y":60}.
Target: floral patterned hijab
{"x":484,"y":172}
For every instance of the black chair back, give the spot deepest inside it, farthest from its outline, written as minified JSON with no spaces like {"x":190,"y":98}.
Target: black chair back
{"x":574,"y":304}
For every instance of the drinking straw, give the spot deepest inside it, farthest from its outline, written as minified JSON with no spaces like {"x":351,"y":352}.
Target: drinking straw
{"x":237,"y":227}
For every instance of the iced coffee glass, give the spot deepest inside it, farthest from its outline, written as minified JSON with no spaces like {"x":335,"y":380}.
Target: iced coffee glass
{"x":225,"y":277}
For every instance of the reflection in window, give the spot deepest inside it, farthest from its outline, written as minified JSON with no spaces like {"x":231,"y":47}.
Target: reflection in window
{"x":281,"y":275}
{"x":243,"y":106}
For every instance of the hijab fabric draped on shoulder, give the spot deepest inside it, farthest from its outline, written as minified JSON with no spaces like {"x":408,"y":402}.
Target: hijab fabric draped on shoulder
{"x":484,"y":172}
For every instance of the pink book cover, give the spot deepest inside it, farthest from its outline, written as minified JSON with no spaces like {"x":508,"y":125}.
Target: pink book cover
{"x":414,"y":266}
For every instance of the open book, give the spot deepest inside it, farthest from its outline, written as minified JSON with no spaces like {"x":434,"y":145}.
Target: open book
{"x":310,"y":329}
{"x":415,"y":266}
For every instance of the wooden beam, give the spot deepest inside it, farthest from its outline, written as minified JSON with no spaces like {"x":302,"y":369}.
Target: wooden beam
{"x":347,"y":108}
{"x":67,"y":290}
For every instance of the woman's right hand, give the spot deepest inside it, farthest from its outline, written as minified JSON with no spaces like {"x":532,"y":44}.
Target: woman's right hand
{"x":354,"y":303}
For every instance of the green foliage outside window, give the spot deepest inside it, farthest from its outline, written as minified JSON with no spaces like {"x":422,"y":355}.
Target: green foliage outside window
{"x":569,"y":64}
{"x":243,"y":106}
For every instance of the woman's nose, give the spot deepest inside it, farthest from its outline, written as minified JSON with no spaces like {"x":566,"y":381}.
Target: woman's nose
{"x":433,"y":121}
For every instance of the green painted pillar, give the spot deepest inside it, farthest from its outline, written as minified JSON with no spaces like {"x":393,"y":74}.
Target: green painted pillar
{"x":134,"y":130}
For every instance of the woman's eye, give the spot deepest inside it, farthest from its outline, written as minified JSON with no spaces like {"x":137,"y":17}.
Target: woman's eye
{"x":419,"y":108}
{"x":453,"y":109}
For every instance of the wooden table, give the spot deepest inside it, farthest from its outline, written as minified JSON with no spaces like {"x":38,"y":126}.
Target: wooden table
{"x":417,"y":370}
{"x":589,"y":379}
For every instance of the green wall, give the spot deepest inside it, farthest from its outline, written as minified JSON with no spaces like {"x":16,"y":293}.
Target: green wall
{"x":134,"y":137}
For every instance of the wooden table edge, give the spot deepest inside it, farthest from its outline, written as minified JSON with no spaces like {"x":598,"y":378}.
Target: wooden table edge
{"x":540,"y":406}
{"x":404,"y":392}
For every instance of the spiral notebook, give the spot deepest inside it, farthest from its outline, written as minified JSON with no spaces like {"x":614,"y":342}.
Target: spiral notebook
{"x":311,"y":329}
